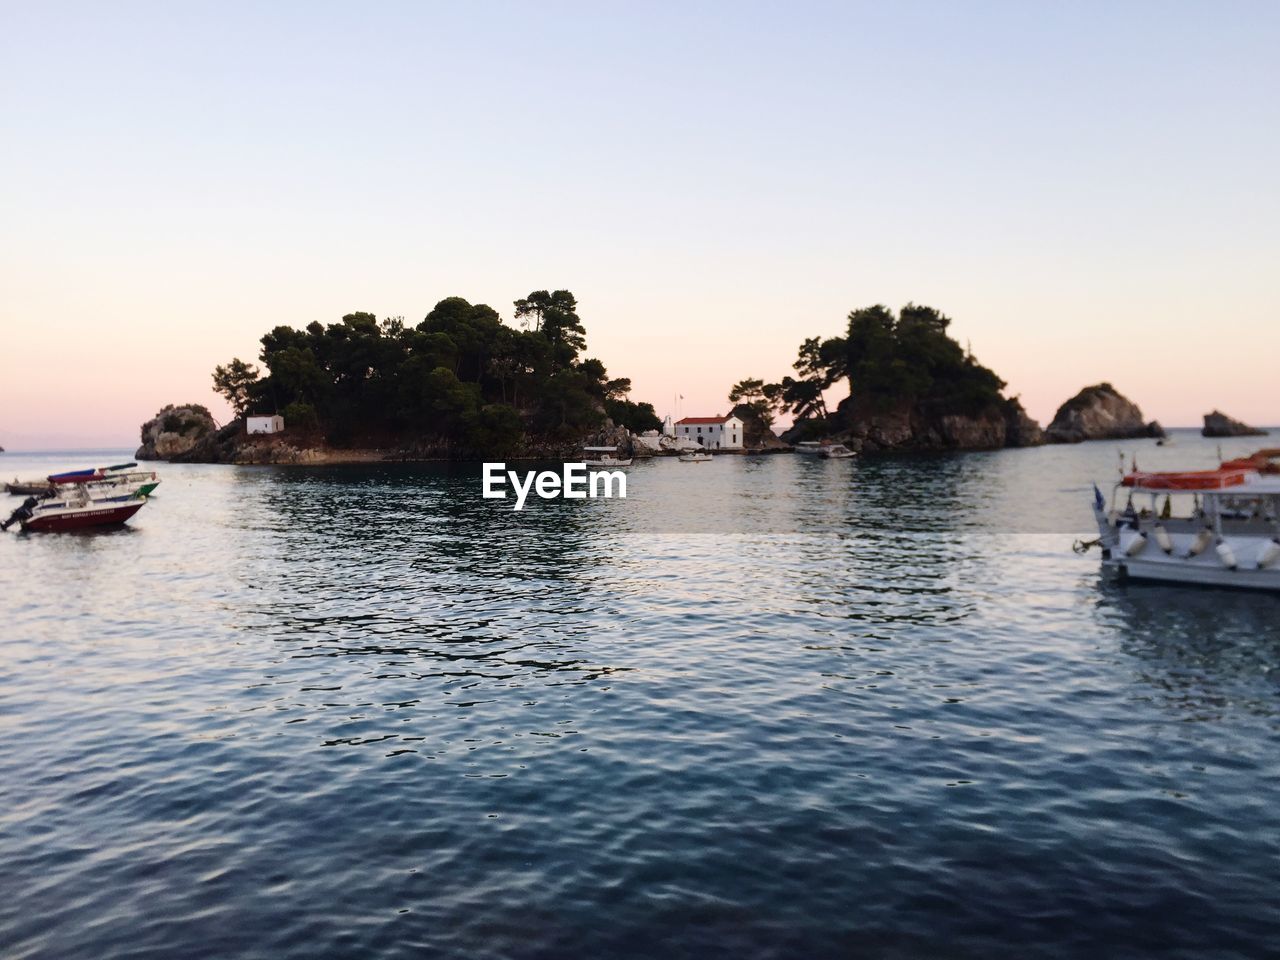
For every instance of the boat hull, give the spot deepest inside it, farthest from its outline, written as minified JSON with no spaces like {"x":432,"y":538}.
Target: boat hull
{"x":1194,"y":574}
{"x":1132,"y":556}
{"x":104,"y":516}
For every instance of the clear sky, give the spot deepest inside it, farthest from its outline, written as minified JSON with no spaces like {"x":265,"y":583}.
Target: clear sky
{"x":1089,"y":189}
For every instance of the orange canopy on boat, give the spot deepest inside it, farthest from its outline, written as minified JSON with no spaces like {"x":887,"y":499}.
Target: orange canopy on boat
{"x":1220,"y":479}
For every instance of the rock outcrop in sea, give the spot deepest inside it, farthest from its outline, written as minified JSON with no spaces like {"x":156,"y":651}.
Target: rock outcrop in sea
{"x":176,"y":431}
{"x":1100,"y":412}
{"x":1020,"y":429}
{"x":757,"y":435}
{"x":1218,"y":424}
{"x":908,"y":427}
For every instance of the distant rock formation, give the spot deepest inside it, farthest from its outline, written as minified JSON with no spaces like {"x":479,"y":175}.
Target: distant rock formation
{"x":1218,"y":424}
{"x":1020,"y":429}
{"x":612,"y":435}
{"x":756,"y":434}
{"x":175,"y":432}
{"x":907,"y":426}
{"x":1100,"y":412}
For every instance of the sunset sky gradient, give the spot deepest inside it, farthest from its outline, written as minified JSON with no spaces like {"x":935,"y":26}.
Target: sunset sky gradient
{"x":1089,"y":190}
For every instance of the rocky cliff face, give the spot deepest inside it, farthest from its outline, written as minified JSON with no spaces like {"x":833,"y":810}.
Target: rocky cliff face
{"x":756,"y":434}
{"x":906,"y":427}
{"x":1020,"y":429}
{"x":1100,"y":412}
{"x":1218,"y":424}
{"x":175,"y":431}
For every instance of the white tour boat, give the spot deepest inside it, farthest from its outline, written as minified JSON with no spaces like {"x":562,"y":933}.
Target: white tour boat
{"x":1211,"y":527}
{"x":604,"y":457}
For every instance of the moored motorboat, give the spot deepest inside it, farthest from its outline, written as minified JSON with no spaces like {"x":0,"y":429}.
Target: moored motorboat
{"x":77,"y":511}
{"x":118,"y":477}
{"x":824,"y":448}
{"x":1211,"y":527}
{"x":695,"y":456}
{"x":29,"y":488}
{"x":604,"y":457}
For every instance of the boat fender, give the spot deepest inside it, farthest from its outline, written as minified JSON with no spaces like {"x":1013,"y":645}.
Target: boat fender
{"x":1200,"y":543}
{"x":1136,"y":545}
{"x":1113,"y":518}
{"x":1269,"y":553}
{"x":1162,"y":538}
{"x":1226,"y":554}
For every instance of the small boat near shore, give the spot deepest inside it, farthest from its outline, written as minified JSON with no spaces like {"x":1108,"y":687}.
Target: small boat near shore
{"x":1209,"y":527}
{"x":117,"y":476}
{"x":77,"y":511}
{"x":29,"y":488}
{"x":825,"y":449}
{"x":695,"y":456}
{"x":604,"y":457}
{"x":78,"y":499}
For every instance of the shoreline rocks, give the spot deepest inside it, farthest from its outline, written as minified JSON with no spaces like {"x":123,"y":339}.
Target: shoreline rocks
{"x":1218,"y":424}
{"x":907,"y":428}
{"x":189,"y":434}
{"x":1100,"y":412}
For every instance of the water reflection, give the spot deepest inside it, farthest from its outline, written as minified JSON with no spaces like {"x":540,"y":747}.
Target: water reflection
{"x":1203,"y":650}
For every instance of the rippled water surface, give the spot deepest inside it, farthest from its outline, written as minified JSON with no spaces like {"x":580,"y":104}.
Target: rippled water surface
{"x":764,"y":707}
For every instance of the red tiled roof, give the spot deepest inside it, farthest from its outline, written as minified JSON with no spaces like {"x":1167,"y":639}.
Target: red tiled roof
{"x":703,"y":419}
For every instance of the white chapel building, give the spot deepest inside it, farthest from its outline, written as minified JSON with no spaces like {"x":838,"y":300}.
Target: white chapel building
{"x":714,"y":433}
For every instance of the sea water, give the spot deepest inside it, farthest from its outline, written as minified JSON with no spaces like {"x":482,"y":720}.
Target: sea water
{"x":762,"y":707}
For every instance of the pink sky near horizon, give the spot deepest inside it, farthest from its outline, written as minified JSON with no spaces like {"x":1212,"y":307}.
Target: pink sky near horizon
{"x":96,"y":395}
{"x":1088,"y":193}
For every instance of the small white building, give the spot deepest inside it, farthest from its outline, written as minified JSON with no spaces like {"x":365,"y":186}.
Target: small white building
{"x":713,"y":433}
{"x":272,"y":424}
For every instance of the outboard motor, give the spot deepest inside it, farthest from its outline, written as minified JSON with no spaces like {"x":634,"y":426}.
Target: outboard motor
{"x":24,"y":512}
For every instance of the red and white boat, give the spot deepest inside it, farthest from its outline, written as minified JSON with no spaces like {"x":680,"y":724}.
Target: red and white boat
{"x":1211,"y":527}
{"x":77,"y":510}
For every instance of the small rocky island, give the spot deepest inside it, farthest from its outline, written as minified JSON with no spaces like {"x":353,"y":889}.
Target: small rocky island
{"x":912,"y":387}
{"x":1218,"y":424}
{"x":459,"y":385}
{"x":1100,"y":412}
